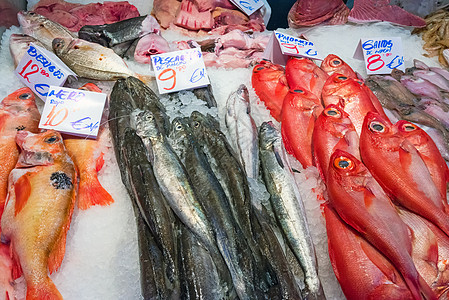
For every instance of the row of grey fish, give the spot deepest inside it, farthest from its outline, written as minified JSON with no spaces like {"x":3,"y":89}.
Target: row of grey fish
{"x":420,"y":95}
{"x":200,"y":236}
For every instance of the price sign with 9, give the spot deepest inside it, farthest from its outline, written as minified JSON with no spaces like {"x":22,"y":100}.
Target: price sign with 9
{"x":179,"y":70}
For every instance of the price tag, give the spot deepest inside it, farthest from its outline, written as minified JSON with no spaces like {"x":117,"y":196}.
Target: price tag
{"x":282,"y":45}
{"x":248,"y":6}
{"x":381,"y":55}
{"x":73,"y":111}
{"x":179,"y":70}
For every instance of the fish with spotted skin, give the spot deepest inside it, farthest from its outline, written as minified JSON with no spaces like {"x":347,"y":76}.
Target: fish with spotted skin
{"x":38,"y":210}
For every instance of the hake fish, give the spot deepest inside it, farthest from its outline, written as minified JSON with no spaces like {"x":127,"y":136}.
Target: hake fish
{"x":288,"y":207}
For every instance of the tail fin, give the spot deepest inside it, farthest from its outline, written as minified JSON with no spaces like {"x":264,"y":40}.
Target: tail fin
{"x":43,"y":291}
{"x":91,"y":193}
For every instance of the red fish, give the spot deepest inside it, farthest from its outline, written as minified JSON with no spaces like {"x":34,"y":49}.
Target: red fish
{"x":299,"y":112}
{"x":400,"y":170}
{"x":334,"y":64}
{"x":89,"y":161}
{"x":349,"y":93}
{"x":430,"y":251}
{"x":361,"y":203}
{"x":6,"y":280}
{"x":362,"y":271}
{"x":270,"y":85}
{"x":18,"y":111}
{"x":38,"y":210}
{"x":333,"y":130}
{"x":429,"y":153}
{"x":303,"y":73}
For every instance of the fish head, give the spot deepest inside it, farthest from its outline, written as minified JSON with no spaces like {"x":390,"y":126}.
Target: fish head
{"x":301,"y":99}
{"x":334,"y":64}
{"x":19,"y":43}
{"x":268,"y":135}
{"x":265,"y":64}
{"x":242,"y":93}
{"x":412,"y":132}
{"x":39,"y":149}
{"x":379,"y":132}
{"x":203,"y":125}
{"x":92,"y":34}
{"x":180,"y":131}
{"x":31,"y":21}
{"x":62,"y":45}
{"x":335,"y":120}
{"x":148,"y":45}
{"x":347,"y":170}
{"x":146,"y":126}
{"x":21,"y":100}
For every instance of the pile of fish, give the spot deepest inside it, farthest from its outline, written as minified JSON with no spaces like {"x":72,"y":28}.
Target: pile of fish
{"x":386,"y":213}
{"x":38,"y":185}
{"x":436,"y":35}
{"x":335,"y":12}
{"x":201,"y":235}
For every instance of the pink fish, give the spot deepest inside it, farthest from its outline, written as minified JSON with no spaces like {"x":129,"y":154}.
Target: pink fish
{"x":148,"y":45}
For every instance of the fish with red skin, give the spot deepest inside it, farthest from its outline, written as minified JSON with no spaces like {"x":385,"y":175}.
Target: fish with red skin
{"x":399,"y":168}
{"x":349,"y":93}
{"x":304,"y":73}
{"x":333,"y":130}
{"x":6,"y":279}
{"x":429,"y":153}
{"x":362,"y":271}
{"x":360,"y":201}
{"x":38,"y":210}
{"x":18,"y":111}
{"x":270,"y":85}
{"x":299,"y":112}
{"x":334,"y":64}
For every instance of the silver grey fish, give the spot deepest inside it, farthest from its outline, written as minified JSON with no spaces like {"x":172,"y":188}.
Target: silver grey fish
{"x":206,"y":94}
{"x":173,"y":181}
{"x":287,"y":205}
{"x":243,"y":130}
{"x":19,"y":44}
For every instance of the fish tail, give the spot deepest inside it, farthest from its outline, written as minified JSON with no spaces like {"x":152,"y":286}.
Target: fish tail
{"x":43,"y":291}
{"x":92,"y":193}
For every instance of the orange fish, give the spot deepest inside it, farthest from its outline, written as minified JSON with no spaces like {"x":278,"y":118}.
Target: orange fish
{"x":299,"y":111}
{"x":6,"y":280}
{"x":89,"y":161}
{"x":334,"y":64}
{"x":349,"y":93}
{"x":333,"y":130}
{"x":271,"y":86}
{"x":303,"y":73}
{"x":362,"y":271}
{"x":18,"y":111}
{"x":38,"y":210}
{"x":401,"y":171}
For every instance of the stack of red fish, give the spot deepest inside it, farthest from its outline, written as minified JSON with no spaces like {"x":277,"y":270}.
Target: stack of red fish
{"x":387,"y":215}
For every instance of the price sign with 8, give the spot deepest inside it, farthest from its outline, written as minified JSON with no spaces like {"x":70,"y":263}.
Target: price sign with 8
{"x":179,"y":70}
{"x":382,"y":55}
{"x":39,"y":69}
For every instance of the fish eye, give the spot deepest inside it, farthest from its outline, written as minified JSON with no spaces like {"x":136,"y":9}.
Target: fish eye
{"x":377,"y":127}
{"x":260,"y":68}
{"x":51,"y":140}
{"x":32,"y":13}
{"x":196,"y":124}
{"x":25,"y":96}
{"x":336,"y":62}
{"x":332,"y":112}
{"x":178,"y":127}
{"x":343,"y":163}
{"x":408,"y":127}
{"x":298,"y":91}
{"x":342,"y":77}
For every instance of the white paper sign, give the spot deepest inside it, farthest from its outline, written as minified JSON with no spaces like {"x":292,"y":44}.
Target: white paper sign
{"x":39,"y":69}
{"x":179,"y":70}
{"x":73,"y":111}
{"x":381,"y":55}
{"x":282,"y":45}
{"x":248,"y":6}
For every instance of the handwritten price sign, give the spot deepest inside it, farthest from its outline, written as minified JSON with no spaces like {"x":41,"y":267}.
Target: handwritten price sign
{"x":39,"y":69}
{"x":282,"y":45}
{"x":73,"y":111}
{"x":248,"y":6}
{"x":381,"y":55}
{"x":179,"y":70}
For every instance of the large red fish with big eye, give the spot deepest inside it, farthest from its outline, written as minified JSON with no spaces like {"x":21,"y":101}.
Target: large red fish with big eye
{"x":333,"y":130}
{"x":334,"y":64}
{"x":303,"y":73}
{"x":429,"y":153}
{"x":362,"y":271}
{"x":299,"y":112}
{"x":400,"y":170}
{"x":361,"y":203}
{"x":351,"y":94}
{"x":271,"y":86}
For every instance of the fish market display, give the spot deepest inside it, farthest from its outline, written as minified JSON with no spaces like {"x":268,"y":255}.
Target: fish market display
{"x":73,"y":16}
{"x":39,"y":209}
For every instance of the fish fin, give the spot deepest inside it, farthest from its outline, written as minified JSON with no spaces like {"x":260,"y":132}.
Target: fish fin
{"x":92,"y":193}
{"x":100,"y":162}
{"x":379,"y":260}
{"x":145,"y":78}
{"x":286,"y":142}
{"x":16,"y":270}
{"x":22,"y":190}
{"x":58,"y":251}
{"x":43,"y":290}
